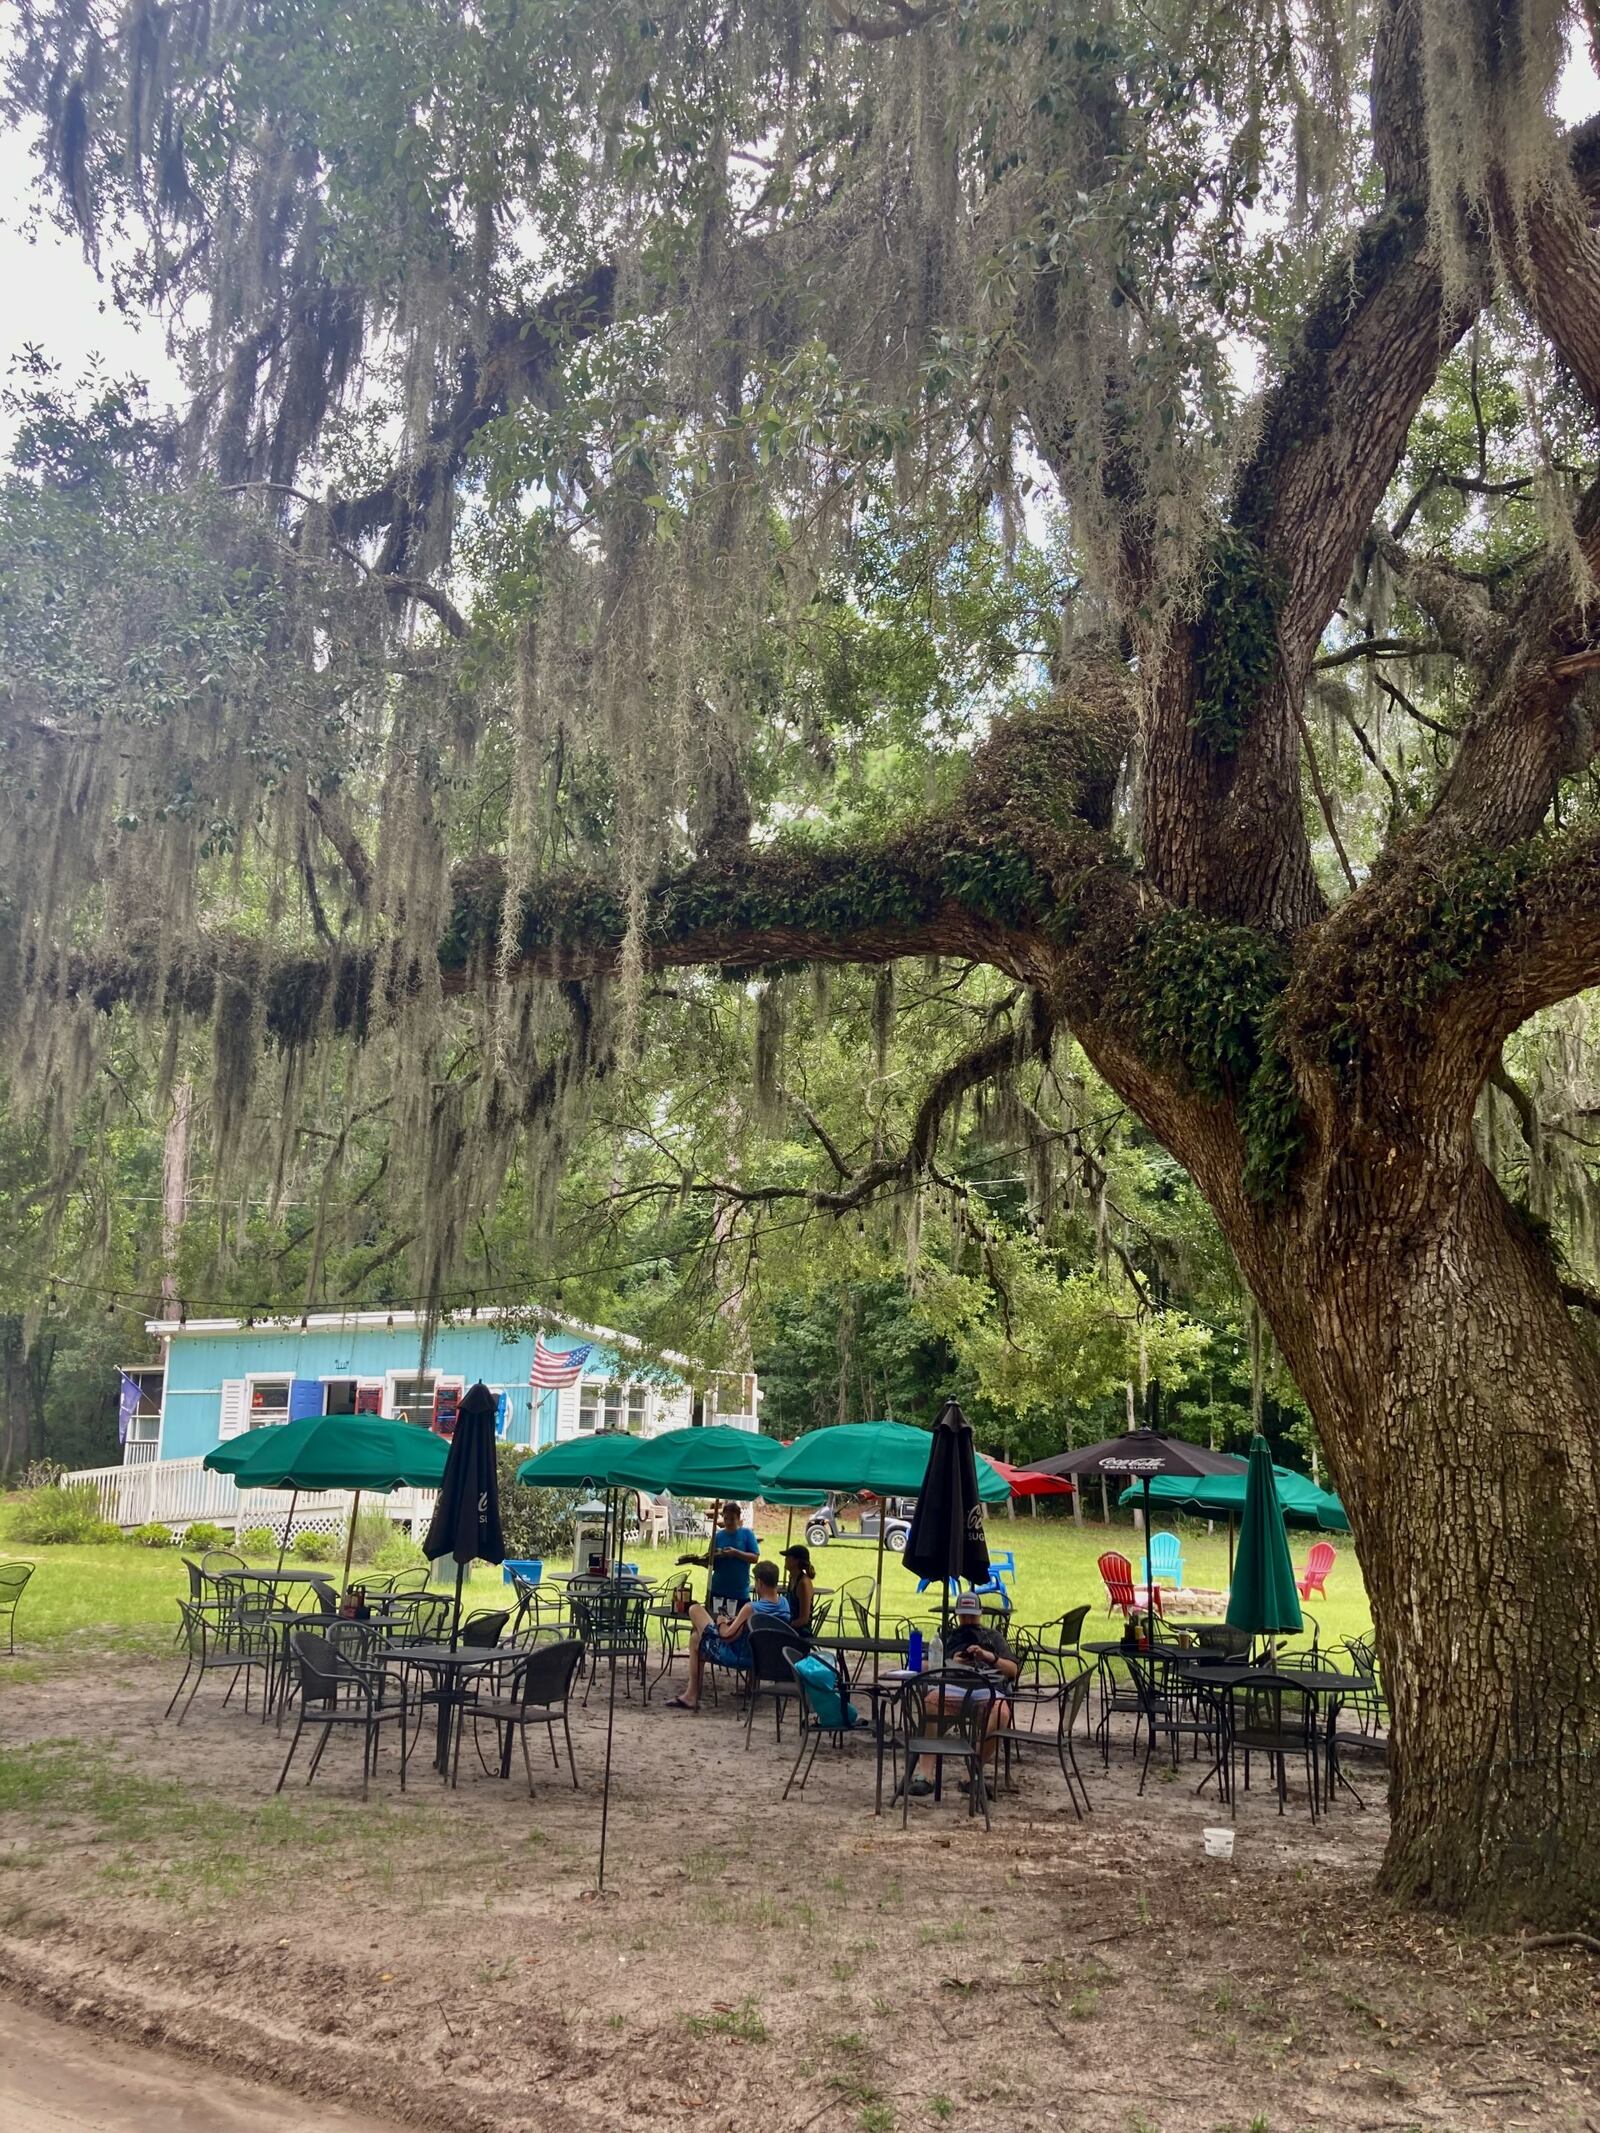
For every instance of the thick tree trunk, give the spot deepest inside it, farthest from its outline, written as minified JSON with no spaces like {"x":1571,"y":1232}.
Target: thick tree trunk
{"x":1459,"y":1406}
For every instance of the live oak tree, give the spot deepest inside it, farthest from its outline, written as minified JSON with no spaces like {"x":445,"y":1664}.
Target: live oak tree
{"x":548,"y":364}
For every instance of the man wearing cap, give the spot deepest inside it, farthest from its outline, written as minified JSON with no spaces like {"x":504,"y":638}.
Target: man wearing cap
{"x":972,"y":1643}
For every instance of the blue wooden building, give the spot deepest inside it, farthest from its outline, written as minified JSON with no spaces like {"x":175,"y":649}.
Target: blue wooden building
{"x":218,"y":1377}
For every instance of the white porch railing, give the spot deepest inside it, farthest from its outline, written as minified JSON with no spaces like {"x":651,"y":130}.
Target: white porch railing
{"x":176,"y":1492}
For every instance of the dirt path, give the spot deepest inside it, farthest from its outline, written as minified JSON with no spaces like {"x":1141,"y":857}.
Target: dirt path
{"x":55,"y":2078}
{"x":439,"y":1958}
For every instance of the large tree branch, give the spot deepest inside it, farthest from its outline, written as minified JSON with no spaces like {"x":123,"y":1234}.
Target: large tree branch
{"x":1018,"y":873}
{"x":1532,"y":724}
{"x":518,"y":362}
{"x":1547,"y":239}
{"x":1545,"y":938}
{"x":1224,"y":827}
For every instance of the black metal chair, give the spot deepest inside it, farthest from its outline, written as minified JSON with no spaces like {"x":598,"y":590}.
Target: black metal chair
{"x":674,"y":1625}
{"x":336,"y":1691}
{"x":216,"y":1641}
{"x":1071,"y":1698}
{"x":484,"y":1627}
{"x":822,"y":1711}
{"x":13,"y":1577}
{"x":1057,"y":1640}
{"x":539,"y":1693}
{"x":855,"y":1598}
{"x":771,"y":1674}
{"x":611,"y":1622}
{"x":1280,"y":1724}
{"x":940,"y":1732}
{"x":1177,"y":1705}
{"x":1119,"y":1698}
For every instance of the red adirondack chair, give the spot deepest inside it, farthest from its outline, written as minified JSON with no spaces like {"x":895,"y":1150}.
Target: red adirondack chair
{"x":1314,"y":1580}
{"x":1118,"y":1574}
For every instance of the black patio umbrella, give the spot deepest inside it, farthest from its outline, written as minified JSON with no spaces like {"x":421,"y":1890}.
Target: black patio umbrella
{"x":466,"y":1518}
{"x":947,"y":1539}
{"x":1140,"y":1455}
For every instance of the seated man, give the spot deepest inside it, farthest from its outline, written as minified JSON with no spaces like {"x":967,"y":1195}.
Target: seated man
{"x":730,"y":1645}
{"x":971,"y":1644}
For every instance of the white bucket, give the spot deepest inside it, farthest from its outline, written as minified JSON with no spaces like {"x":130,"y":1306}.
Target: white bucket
{"x":1218,"y":1842}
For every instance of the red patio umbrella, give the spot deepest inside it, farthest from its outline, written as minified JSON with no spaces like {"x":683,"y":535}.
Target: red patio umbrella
{"x":1025,"y":1484}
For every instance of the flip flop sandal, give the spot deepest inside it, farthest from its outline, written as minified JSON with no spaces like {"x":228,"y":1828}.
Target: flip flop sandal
{"x":676,"y":1703}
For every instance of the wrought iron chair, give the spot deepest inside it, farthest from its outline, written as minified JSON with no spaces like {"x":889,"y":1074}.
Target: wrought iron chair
{"x":939,"y":1732}
{"x":611,"y":1621}
{"x":1070,"y":1698}
{"x":337,"y":1690}
{"x":216,"y":1641}
{"x":770,"y":1675}
{"x":539,"y":1693}
{"x":13,"y":1577}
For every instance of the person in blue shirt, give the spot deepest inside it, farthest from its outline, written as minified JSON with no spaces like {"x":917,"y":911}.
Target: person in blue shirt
{"x":729,"y":1645}
{"x":733,"y":1549}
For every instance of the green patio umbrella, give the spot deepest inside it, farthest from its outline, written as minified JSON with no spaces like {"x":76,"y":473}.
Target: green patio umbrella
{"x":366,"y":1453}
{"x":1263,"y":1598}
{"x":1222,"y":1496}
{"x":713,"y":1461}
{"x":596,"y":1458}
{"x":884,"y":1458}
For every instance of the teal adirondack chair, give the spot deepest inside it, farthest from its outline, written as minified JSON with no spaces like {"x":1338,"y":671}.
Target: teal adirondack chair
{"x":1166,"y":1559}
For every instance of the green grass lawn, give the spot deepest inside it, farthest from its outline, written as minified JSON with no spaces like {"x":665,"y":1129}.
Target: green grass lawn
{"x":81,"y":1600}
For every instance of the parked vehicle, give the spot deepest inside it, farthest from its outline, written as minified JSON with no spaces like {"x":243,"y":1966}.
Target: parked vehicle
{"x":893,"y":1514}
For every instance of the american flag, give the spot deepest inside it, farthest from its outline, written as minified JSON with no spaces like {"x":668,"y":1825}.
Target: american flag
{"x":555,"y":1367}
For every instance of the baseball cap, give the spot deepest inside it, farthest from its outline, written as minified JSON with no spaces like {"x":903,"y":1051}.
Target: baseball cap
{"x":968,"y":1604}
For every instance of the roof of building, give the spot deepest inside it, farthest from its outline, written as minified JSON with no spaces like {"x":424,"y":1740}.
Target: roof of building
{"x":392,"y":1321}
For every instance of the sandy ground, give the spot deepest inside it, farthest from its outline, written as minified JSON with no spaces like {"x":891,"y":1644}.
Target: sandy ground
{"x":55,"y":2078}
{"x":441,"y":1958}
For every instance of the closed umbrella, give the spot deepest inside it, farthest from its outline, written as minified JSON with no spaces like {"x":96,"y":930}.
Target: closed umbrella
{"x":947,"y":1538}
{"x":1140,"y":1455}
{"x":466,"y":1518}
{"x":360,"y":1452}
{"x":1263,"y":1598}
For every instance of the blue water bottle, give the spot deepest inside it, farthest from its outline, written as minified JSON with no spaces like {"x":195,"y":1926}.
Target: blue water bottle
{"x":914,"y":1652}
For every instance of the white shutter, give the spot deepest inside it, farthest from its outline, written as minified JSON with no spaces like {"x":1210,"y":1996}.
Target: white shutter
{"x":234,"y":1418}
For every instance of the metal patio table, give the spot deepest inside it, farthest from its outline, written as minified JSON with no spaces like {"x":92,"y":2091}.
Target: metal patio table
{"x":451,"y":1670}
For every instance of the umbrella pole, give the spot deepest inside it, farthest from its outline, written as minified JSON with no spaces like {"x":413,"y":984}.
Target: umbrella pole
{"x":455,"y":1619}
{"x":350,"y":1539}
{"x":877,"y":1591}
{"x":283,"y":1545}
{"x":611,"y":1708}
{"x":1149,"y":1578}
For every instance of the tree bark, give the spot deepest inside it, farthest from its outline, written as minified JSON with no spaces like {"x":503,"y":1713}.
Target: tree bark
{"x":1459,"y":1407}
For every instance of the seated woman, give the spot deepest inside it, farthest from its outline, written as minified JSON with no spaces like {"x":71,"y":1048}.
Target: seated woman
{"x":730,"y":1645}
{"x":799,"y":1585}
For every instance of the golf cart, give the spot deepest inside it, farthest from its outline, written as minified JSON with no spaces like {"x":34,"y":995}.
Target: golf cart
{"x":893,"y":1514}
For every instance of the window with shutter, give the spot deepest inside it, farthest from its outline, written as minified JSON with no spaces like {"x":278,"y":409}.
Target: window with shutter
{"x":235,"y":1418}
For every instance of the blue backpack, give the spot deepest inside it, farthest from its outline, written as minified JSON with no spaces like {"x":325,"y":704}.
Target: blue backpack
{"x":834,"y":1712}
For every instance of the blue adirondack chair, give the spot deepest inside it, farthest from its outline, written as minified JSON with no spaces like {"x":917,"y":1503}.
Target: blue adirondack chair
{"x":1166,"y":1558}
